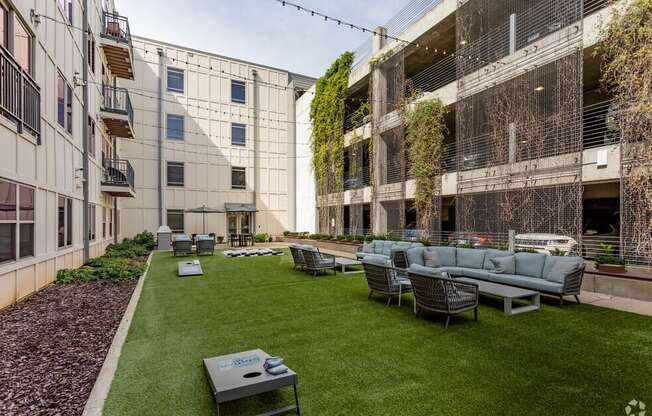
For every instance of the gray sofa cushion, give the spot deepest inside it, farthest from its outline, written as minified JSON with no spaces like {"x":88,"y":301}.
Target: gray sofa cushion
{"x":452,"y":270}
{"x":530,"y":264}
{"x":527,"y":282}
{"x":470,"y":258}
{"x":431,"y":259}
{"x":491,"y":253}
{"x":447,"y":255}
{"x":375,"y":260}
{"x":476,"y":273}
{"x":504,"y":265}
{"x":367,"y":255}
{"x":387,"y":248}
{"x":556,"y":268}
{"x":415,"y":255}
{"x":429,"y":271}
{"x":368,"y":247}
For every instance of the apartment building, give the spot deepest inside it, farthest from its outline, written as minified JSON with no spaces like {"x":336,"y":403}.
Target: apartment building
{"x":531,"y":146}
{"x":170,"y":129}
{"x":210,"y":131}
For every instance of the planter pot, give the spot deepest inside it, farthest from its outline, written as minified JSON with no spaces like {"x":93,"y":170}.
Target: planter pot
{"x":611,"y":268}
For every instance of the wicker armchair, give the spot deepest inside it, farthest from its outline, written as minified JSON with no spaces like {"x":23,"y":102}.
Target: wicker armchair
{"x":316,"y":262}
{"x":297,"y":256}
{"x":443,"y":295}
{"x":205,"y":245}
{"x":572,"y":285}
{"x":182,"y":245}
{"x":385,"y":279}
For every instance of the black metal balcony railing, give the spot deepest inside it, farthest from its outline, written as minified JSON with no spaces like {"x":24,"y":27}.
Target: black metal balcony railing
{"x":20,"y":96}
{"x":116,"y":27}
{"x":118,"y":172}
{"x":116,"y":100}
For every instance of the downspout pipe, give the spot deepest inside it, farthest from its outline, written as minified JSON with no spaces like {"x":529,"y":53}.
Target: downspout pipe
{"x":160,"y":135}
{"x":85,"y":165}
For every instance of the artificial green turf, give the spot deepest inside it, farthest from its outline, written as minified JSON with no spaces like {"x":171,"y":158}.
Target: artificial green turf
{"x":358,"y":357}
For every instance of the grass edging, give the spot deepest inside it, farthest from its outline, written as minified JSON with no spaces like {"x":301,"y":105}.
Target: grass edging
{"x":95,"y":403}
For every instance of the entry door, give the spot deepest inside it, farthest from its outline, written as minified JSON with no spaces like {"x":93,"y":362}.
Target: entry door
{"x":239,"y":223}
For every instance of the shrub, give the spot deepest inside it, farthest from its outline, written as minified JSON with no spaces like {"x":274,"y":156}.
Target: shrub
{"x":426,"y":242}
{"x":262,"y":238}
{"x":121,"y":261}
{"x":558,"y":252}
{"x":341,"y":237}
{"x":467,"y":245}
{"x":608,"y":257}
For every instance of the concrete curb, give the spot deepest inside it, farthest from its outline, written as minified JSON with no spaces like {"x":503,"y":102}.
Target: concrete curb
{"x":95,"y":403}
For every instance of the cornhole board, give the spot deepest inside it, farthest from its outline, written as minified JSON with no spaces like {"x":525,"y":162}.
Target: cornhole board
{"x":190,"y":268}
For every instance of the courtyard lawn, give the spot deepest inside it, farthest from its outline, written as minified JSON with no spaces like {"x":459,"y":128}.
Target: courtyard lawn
{"x":358,"y":357}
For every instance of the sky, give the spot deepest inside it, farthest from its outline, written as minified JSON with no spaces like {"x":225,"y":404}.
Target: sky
{"x":261,"y":31}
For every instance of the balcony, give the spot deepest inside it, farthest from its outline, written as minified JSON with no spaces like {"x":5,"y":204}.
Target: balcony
{"x":20,"y":96}
{"x":115,"y":40}
{"x":116,"y":112}
{"x":118,"y":178}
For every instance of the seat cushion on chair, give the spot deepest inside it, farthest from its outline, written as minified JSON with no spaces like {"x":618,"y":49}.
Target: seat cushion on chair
{"x":504,"y":265}
{"x":470,"y":258}
{"x":428,"y":271}
{"x":556,"y":267}
{"x":431,"y":259}
{"x":452,"y":270}
{"x":491,"y":253}
{"x":530,"y":264}
{"x":379,"y":256}
{"x":375,"y":260}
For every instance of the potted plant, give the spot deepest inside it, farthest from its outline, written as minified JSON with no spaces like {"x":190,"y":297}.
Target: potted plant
{"x":608,"y":262}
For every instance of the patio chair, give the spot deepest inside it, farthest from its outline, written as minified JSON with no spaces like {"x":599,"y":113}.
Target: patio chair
{"x":316,"y":262}
{"x":182,"y":244}
{"x":297,"y":256}
{"x":205,"y":245}
{"x":384,"y":278}
{"x":440,"y":293}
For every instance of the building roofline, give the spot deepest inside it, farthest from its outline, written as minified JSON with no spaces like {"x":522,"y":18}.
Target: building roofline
{"x":216,"y":55}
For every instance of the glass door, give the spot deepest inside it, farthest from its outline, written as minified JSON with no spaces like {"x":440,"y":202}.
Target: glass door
{"x":239,"y":222}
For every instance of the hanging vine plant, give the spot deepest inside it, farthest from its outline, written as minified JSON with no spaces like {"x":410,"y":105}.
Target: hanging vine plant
{"x":627,"y":73}
{"x":426,"y":129}
{"x":327,"y":117}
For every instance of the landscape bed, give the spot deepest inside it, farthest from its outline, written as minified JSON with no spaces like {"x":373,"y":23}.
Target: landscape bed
{"x":356,"y":356}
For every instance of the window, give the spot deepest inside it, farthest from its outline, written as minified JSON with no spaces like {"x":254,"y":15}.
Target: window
{"x":66,"y":8}
{"x":175,"y":220}
{"x":65,"y":222}
{"x":91,"y":136}
{"x":175,"y":127}
{"x":91,"y":222}
{"x":22,"y":44}
{"x":238,"y":178}
{"x":4,"y":27}
{"x":238,"y":92}
{"x":238,"y":134}
{"x":175,"y":80}
{"x":110,"y":222}
{"x":64,"y":103}
{"x":16,"y":221}
{"x":91,"y":52}
{"x":103,"y":222}
{"x":175,"y":173}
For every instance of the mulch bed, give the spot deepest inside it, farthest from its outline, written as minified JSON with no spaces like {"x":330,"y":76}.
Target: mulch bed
{"x":53,"y":345}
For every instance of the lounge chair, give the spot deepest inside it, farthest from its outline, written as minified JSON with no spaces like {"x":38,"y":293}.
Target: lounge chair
{"x":205,"y":245}
{"x":316,"y":262}
{"x":384,"y":278}
{"x":297,"y":256}
{"x":182,"y":244}
{"x":439,"y":293}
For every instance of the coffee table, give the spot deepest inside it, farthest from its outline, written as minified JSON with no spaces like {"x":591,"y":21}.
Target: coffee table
{"x":240,"y":375}
{"x":344,"y":262}
{"x":508,"y":294}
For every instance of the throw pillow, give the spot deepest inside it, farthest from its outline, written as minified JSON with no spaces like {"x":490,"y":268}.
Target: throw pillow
{"x":560,"y":269}
{"x":504,"y":265}
{"x":431,"y":259}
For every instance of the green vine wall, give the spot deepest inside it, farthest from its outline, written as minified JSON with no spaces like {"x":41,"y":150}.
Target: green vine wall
{"x":425,"y":131}
{"x":327,"y":117}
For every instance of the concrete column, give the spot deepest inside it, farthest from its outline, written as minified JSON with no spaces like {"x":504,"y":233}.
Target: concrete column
{"x":512,"y":33}
{"x":162,"y":220}
{"x":512,"y":142}
{"x":379,"y":40}
{"x":291,"y":160}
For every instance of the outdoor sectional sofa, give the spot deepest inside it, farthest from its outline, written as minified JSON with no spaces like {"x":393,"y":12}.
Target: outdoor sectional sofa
{"x":553,"y":275}
{"x":387,"y":250}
